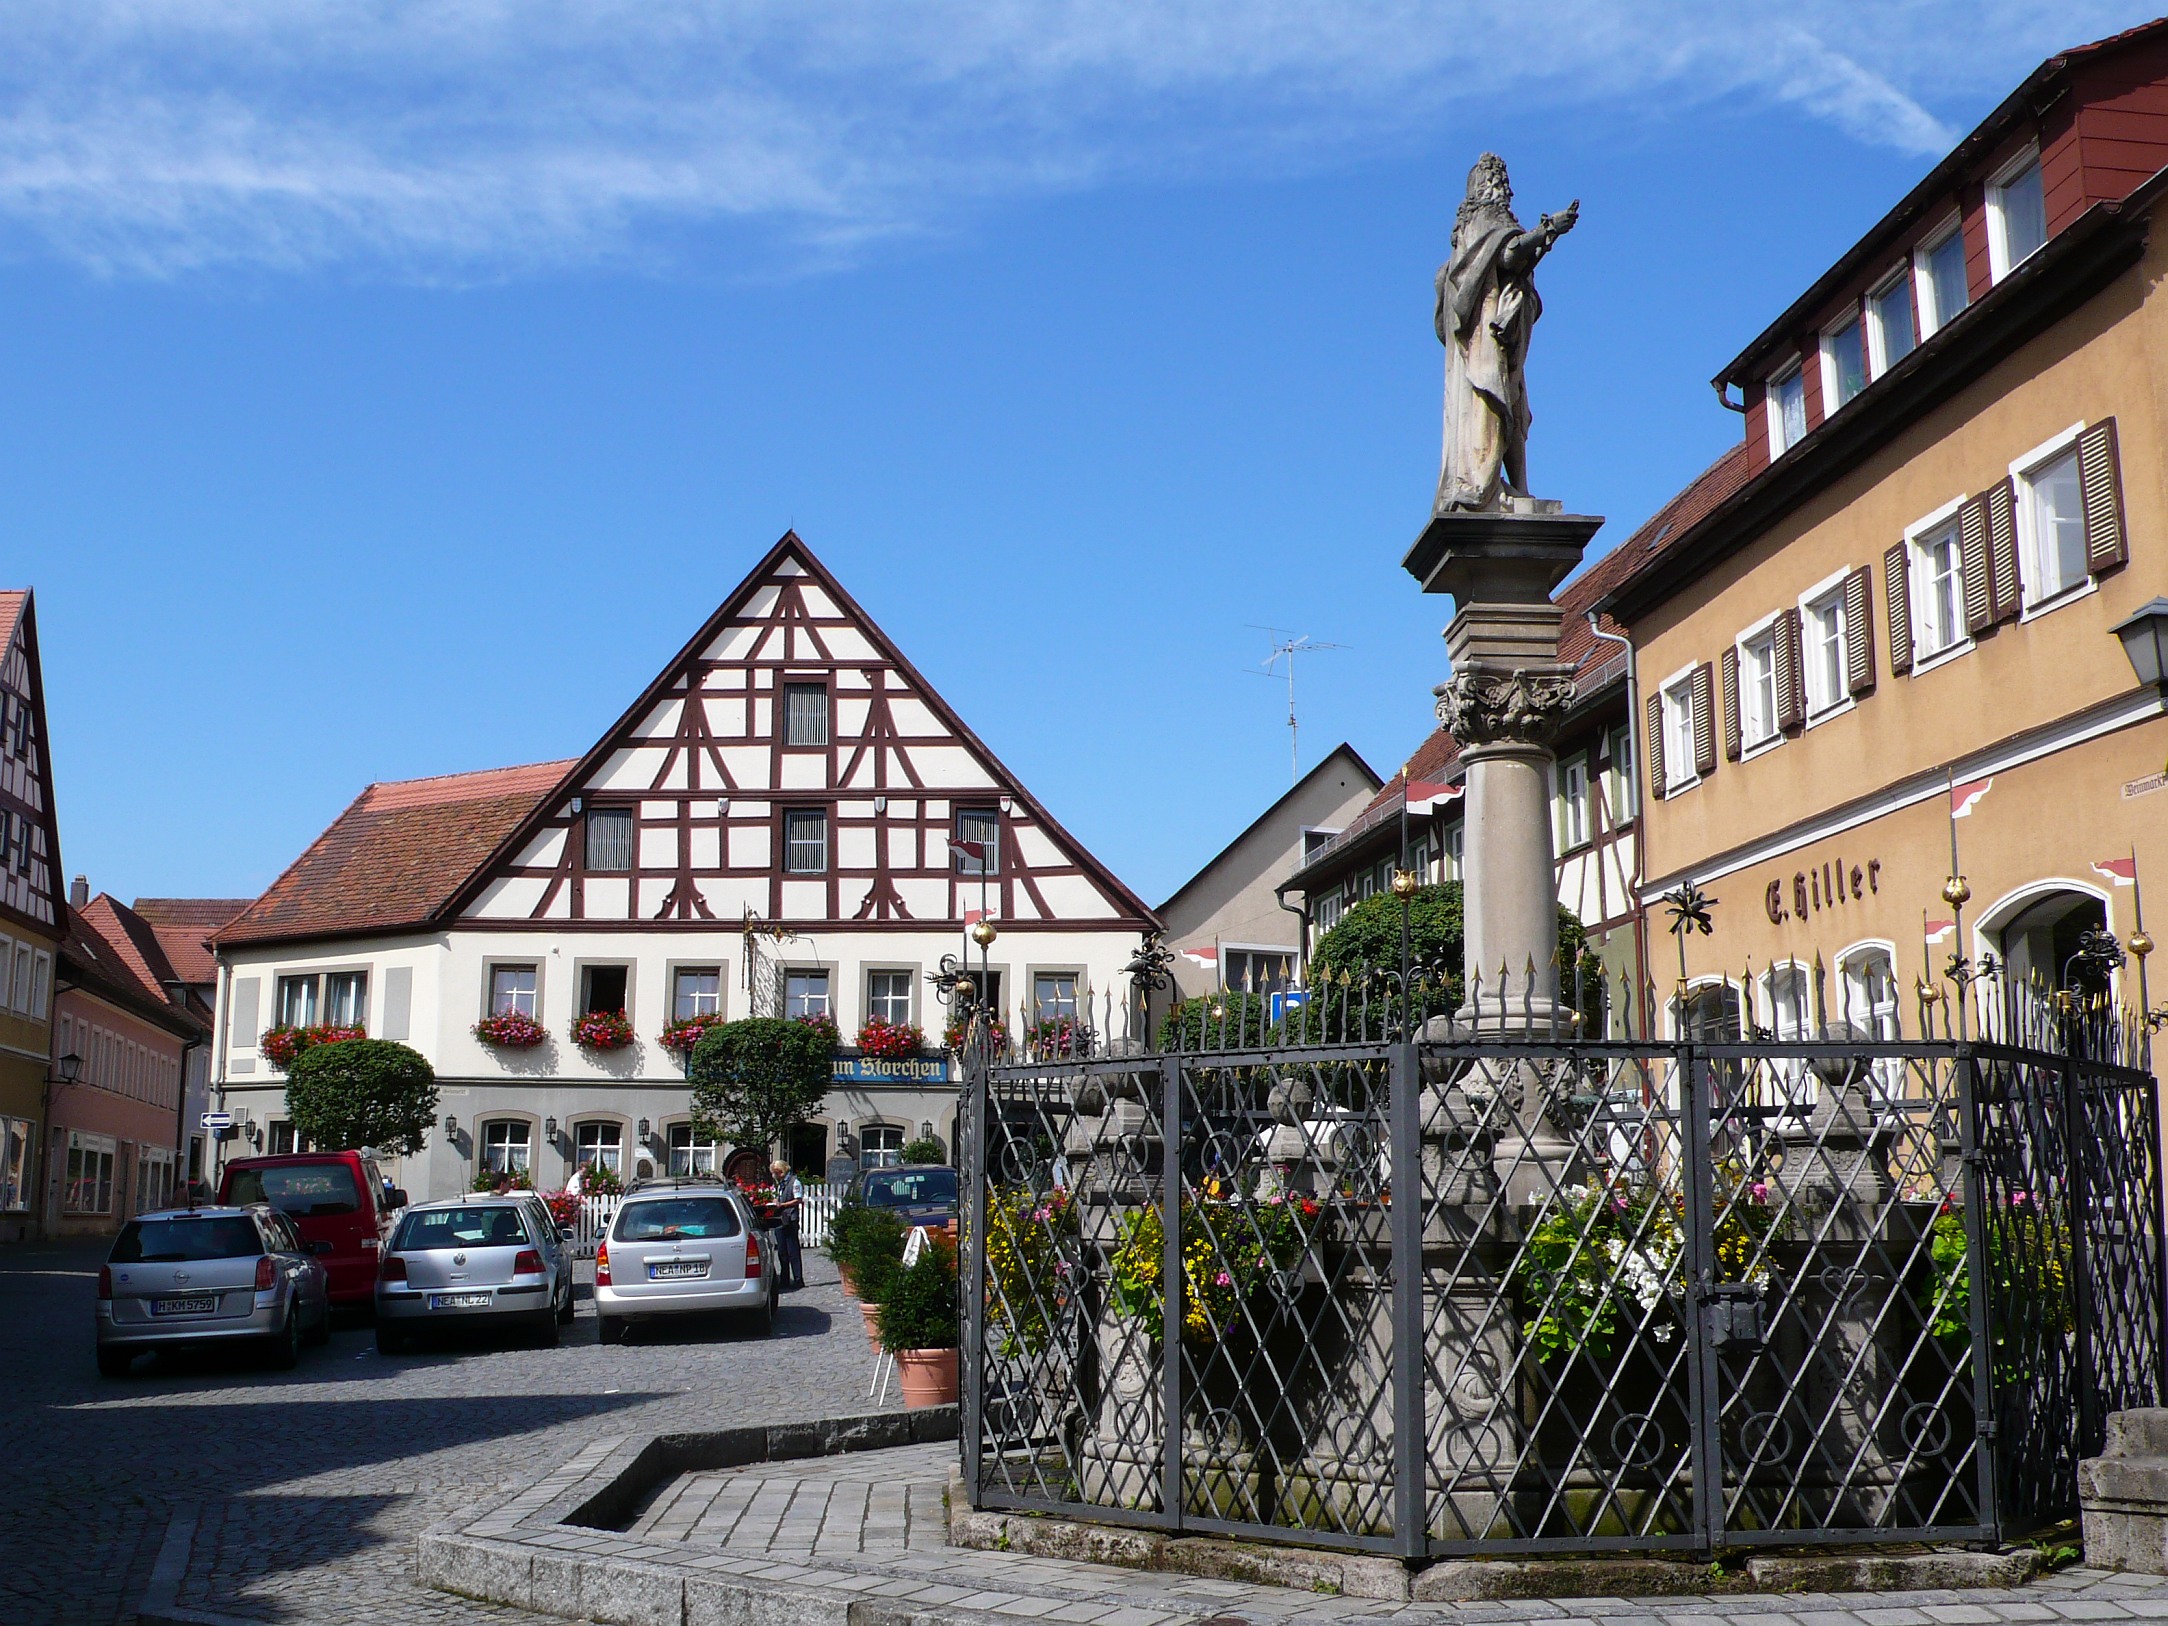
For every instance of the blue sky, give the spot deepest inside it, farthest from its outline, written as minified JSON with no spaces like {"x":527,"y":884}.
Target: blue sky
{"x":389,"y":391}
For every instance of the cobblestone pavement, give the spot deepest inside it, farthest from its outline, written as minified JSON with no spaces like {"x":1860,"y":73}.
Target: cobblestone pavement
{"x":294,"y":1496}
{"x":862,"y":1502}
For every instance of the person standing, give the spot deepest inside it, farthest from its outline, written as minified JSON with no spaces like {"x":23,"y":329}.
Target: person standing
{"x":788,"y":1200}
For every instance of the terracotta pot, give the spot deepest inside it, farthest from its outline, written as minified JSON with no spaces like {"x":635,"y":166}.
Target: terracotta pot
{"x":850,"y":1280}
{"x":929,"y":1376}
{"x":872,"y":1313}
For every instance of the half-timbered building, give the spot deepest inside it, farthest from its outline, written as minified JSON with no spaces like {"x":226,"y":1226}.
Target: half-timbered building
{"x":30,"y":918}
{"x":788,"y":821}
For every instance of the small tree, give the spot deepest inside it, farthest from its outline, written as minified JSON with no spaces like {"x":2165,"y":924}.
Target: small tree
{"x":754,"y":1081}
{"x":363,"y":1092}
{"x":1367,"y":939}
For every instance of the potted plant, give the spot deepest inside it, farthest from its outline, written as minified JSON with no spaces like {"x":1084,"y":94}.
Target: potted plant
{"x":838,"y":1245}
{"x":687,"y":1031}
{"x":486,"y":1179}
{"x":919,"y":1323}
{"x":876,"y":1253}
{"x":599,"y":1180}
{"x":280,"y":1045}
{"x":952,"y":1037}
{"x":602,"y":1030}
{"x":890,"y":1041}
{"x":825,"y":1026}
{"x":510,"y":1030}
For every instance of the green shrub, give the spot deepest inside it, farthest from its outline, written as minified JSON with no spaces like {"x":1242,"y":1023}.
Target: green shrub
{"x":923,"y":1151}
{"x":872,"y":1251}
{"x":921,"y":1310}
{"x":1367,"y":940}
{"x":754,"y":1081}
{"x":1217,"y":1022}
{"x":362,"y":1092}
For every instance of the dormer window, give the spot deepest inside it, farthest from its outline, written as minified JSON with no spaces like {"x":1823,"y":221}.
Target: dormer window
{"x":1844,"y":363}
{"x":1787,"y":410}
{"x":1890,"y":330}
{"x":2017,"y":217}
{"x":1938,"y":270}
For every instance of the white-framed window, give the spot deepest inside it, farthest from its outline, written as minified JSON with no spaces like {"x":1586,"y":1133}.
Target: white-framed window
{"x":880,"y":1146}
{"x":2050,"y":520}
{"x":690,"y":1154}
{"x":286,"y":1139}
{"x":696,"y":990}
{"x":89,"y":1183}
{"x":346,"y":998}
{"x":805,"y":841}
{"x":609,"y":840}
{"x":1333,"y":904}
{"x":1257,"y":970}
{"x":1823,"y":650}
{"x":1680,"y":755}
{"x":507,"y":1146}
{"x":1054,"y":996}
{"x":1758,"y":686}
{"x":15,"y":1136}
{"x":41,"y":984}
{"x":1571,"y":801}
{"x":601,"y":1143}
{"x":1315,"y":839}
{"x":297,"y":1001}
{"x":1791,"y":1021}
{"x":888,"y":996}
{"x":805,"y":714}
{"x":1844,"y":363}
{"x":2017,"y":216}
{"x":980,"y":826}
{"x":1891,"y":331}
{"x":1938,"y":273}
{"x":1453,"y":859}
{"x":805,"y":993}
{"x":514,"y":990}
{"x":1936,"y":576}
{"x":1787,"y":406}
{"x":1619,"y":786}
{"x":1868,"y":976}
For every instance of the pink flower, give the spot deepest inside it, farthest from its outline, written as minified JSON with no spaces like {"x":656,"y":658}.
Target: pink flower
{"x":1760,"y":1189}
{"x":1223,"y":1280}
{"x":2020,"y":1197}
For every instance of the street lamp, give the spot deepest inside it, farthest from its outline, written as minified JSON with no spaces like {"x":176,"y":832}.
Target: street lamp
{"x":66,"y":1070}
{"x":2145,"y":642}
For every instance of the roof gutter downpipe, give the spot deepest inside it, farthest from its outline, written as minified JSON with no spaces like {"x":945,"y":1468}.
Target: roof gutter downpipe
{"x":1633,"y":726}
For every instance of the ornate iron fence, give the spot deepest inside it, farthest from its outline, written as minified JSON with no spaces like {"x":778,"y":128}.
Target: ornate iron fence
{"x":1428,"y":1285}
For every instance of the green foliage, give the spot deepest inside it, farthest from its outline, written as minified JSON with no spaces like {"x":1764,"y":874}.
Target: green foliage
{"x":362,"y":1092}
{"x":1217,"y":1022}
{"x":1367,"y":940}
{"x":871,"y":1249}
{"x":922,"y":1151}
{"x":922,"y":1310}
{"x":843,"y":1225}
{"x":2028,"y":1267}
{"x":755,"y":1080}
{"x":486,"y":1180}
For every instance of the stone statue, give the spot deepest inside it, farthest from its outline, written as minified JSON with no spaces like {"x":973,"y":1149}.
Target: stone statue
{"x":1487,"y":306}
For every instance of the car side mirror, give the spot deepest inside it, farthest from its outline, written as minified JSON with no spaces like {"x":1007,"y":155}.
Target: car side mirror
{"x":567,"y":1233}
{"x":396,"y":1197}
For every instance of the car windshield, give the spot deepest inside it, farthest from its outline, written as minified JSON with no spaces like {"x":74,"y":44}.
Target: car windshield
{"x":911,"y":1188}
{"x":206,"y":1236}
{"x":667,"y":1218}
{"x":303,"y":1190}
{"x":461,"y":1228}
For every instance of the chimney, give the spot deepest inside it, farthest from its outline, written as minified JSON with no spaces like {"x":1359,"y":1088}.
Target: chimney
{"x":79,"y":892}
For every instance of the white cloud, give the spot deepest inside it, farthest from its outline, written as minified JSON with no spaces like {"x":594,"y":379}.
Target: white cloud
{"x":466,"y":138}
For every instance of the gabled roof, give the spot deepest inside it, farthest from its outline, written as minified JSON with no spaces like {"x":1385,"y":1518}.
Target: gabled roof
{"x":396,"y":856}
{"x":12,"y":604}
{"x":1343,"y":752}
{"x":183,"y":927}
{"x":104,"y":950}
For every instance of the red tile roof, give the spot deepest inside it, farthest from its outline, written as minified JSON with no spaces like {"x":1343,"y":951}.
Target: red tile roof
{"x":11,"y":612}
{"x":183,"y":927}
{"x":396,"y":855}
{"x":101,"y":953}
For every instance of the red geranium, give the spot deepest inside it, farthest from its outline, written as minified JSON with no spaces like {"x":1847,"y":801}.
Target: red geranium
{"x":687,"y":1032}
{"x":281,"y":1045}
{"x":511,"y":1031}
{"x":603,"y":1030}
{"x":890,"y":1041}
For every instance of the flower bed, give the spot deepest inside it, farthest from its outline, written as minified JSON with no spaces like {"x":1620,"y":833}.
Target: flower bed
{"x":890,"y":1041}
{"x":279,"y":1046}
{"x":686,"y":1032}
{"x":598,"y":1180}
{"x":564,"y":1206}
{"x":511,"y":1031}
{"x":1031,"y":1253}
{"x":1217,"y":1281}
{"x":602,"y":1030}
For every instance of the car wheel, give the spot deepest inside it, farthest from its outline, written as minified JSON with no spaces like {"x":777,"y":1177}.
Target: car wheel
{"x":114,"y":1363}
{"x":760,"y":1323}
{"x":320,"y":1333}
{"x":613,"y":1329}
{"x":286,"y":1342}
{"x":564,"y":1310}
{"x":389,"y":1342}
{"x":545,"y":1330}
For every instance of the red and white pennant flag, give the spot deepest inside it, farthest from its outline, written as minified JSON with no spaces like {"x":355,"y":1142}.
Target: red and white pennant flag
{"x":1936,"y":930}
{"x":1206,"y":957}
{"x":2122,"y":871}
{"x":1963,"y":798}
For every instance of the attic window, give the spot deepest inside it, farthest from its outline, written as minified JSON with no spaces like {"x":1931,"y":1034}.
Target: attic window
{"x":2016,"y":214}
{"x":609,"y":840}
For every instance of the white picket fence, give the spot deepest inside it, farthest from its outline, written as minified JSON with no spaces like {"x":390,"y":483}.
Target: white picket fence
{"x":818,"y":1207}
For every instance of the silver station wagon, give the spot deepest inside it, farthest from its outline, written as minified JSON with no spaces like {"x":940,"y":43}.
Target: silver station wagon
{"x":682,"y":1247}
{"x":198,"y":1276}
{"x":474,"y":1262}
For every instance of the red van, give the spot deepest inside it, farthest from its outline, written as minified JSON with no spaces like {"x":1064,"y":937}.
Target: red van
{"x":337,"y":1201}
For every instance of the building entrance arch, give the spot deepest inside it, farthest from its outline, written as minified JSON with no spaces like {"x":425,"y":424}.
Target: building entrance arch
{"x":2039,"y":934}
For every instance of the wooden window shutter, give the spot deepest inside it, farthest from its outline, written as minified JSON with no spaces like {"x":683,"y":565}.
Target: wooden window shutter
{"x":1791,"y":680}
{"x":1858,"y":633}
{"x":1702,"y":688}
{"x":2002,"y":551}
{"x":1897,"y":588}
{"x":2100,"y":487}
{"x":1972,"y":556}
{"x":1728,"y":665}
{"x":1653,"y":748}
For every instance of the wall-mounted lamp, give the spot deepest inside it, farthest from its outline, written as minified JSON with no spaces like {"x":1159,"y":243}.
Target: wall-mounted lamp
{"x":451,"y":1124}
{"x":254,"y":1131}
{"x":66,"y":1070}
{"x":2145,"y":642}
{"x":549,"y":1130}
{"x":644,"y":1128}
{"x":843,"y":1130}
{"x":925,"y":1129}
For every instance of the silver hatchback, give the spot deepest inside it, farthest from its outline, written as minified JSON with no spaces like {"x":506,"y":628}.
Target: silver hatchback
{"x":682,"y":1247}
{"x":474,"y":1261}
{"x":206,"y":1276}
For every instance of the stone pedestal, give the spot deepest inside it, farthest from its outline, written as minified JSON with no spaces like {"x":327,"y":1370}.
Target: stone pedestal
{"x":2123,"y":1495}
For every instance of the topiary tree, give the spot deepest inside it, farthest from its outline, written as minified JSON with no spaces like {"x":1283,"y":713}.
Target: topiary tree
{"x":362,"y":1092}
{"x":755,"y":1080}
{"x":1367,"y":940}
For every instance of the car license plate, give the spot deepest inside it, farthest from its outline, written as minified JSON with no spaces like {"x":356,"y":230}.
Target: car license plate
{"x":194,"y":1304}
{"x":459,"y":1301}
{"x":675,"y":1269}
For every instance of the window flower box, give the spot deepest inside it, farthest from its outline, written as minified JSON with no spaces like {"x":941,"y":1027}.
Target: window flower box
{"x":1058,"y":1038}
{"x":824,"y":1025}
{"x":602,"y":1030}
{"x":279,"y":1046}
{"x":511,"y":1031}
{"x":890,"y":1041}
{"x":952,"y":1038}
{"x":682,"y":1035}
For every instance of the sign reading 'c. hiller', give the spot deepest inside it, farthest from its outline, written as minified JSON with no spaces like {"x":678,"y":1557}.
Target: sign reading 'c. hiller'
{"x":1825,"y":886}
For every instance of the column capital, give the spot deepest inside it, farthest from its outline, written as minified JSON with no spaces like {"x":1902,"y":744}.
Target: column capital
{"x":1525,"y":706}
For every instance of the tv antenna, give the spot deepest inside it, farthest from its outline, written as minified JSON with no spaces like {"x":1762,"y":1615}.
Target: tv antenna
{"x":1286,"y":646}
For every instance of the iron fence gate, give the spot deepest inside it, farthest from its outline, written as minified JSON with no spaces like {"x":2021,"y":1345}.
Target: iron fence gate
{"x":1470,"y":1293}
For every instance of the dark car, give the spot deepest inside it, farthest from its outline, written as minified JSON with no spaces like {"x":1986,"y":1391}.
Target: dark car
{"x":338,"y":1202}
{"x":917,"y":1194}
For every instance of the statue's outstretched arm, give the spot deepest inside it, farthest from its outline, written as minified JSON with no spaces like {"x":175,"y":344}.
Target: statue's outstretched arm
{"x":1530,"y":246}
